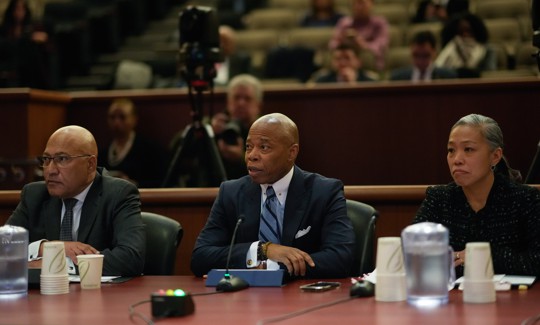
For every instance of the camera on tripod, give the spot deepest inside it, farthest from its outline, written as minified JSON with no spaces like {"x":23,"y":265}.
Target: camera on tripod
{"x":199,"y":46}
{"x":196,"y":162}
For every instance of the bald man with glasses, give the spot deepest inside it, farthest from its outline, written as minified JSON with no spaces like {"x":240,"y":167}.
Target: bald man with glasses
{"x":81,"y":206}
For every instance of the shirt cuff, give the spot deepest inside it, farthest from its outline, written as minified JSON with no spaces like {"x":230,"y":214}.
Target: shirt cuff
{"x":33,"y":250}
{"x":251,"y":256}
{"x":70,"y":266}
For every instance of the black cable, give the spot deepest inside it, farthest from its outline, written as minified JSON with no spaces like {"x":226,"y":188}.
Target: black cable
{"x":302,"y":311}
{"x":206,"y":293}
{"x":133,"y":313}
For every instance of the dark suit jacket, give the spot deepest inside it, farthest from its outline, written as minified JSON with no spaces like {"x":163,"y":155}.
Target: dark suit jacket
{"x":438,"y":73}
{"x":110,"y":221}
{"x":312,"y":201}
{"x":332,"y":77}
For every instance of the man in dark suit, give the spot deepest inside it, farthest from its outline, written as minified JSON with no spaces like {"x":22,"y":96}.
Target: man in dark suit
{"x":314,"y":236}
{"x":235,"y":62}
{"x":423,"y":52}
{"x":105,"y":218}
{"x":346,"y":66}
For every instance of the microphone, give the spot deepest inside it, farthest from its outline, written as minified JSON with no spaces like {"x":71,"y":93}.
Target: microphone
{"x":231,"y":283}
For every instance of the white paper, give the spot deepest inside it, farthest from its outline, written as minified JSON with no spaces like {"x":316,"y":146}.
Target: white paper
{"x":76,"y":278}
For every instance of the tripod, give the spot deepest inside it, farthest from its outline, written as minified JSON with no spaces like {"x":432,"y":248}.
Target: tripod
{"x":196,"y":162}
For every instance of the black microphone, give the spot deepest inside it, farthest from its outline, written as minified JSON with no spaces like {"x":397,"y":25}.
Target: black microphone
{"x":231,"y":283}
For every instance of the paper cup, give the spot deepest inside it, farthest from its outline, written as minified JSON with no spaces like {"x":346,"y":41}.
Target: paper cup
{"x":389,"y":256}
{"x":90,"y":270}
{"x":478,"y":285}
{"x":391,"y":287}
{"x":54,"y":258}
{"x":478,"y":262}
{"x":390,"y":275}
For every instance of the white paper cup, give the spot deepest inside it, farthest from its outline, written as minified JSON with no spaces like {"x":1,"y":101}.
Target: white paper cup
{"x":391,"y":283}
{"x":389,"y":256}
{"x":478,"y":262}
{"x":391,"y":287}
{"x":90,"y":270}
{"x":482,"y":291}
{"x":54,"y":258}
{"x":478,"y":285}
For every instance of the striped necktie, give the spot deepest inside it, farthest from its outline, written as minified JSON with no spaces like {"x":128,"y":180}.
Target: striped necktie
{"x":67,"y":221}
{"x":269,"y":229}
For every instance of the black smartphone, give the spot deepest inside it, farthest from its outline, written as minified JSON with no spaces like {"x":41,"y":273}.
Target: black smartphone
{"x":320,"y":286}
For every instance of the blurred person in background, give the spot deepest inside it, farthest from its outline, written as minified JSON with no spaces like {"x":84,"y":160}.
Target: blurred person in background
{"x":130,"y":155}
{"x":30,"y":45}
{"x":322,"y":13}
{"x":346,"y":67}
{"x":423,"y":53}
{"x":465,"y":46}
{"x":235,"y":62}
{"x":363,"y":29}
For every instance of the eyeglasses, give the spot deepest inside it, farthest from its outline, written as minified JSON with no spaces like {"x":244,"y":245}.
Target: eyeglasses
{"x":59,"y":161}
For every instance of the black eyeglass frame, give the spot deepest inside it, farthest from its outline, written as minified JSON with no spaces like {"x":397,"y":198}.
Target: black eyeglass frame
{"x":45,"y":161}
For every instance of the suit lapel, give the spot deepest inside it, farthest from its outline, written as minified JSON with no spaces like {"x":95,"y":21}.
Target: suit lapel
{"x":251,"y":209}
{"x":89,"y":211}
{"x":295,"y":207}
{"x":51,"y":212}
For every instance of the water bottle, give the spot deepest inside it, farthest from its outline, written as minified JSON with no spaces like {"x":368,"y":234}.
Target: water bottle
{"x":13,"y":261}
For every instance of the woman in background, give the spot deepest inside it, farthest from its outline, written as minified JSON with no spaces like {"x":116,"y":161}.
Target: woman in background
{"x":465,"y":47}
{"x":30,"y":43}
{"x":486,"y":202}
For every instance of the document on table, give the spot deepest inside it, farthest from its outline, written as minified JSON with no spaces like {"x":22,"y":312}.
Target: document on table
{"x":503,"y":281}
{"x":76,"y":278}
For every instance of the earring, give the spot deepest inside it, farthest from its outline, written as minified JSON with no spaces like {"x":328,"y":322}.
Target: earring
{"x":492,"y":168}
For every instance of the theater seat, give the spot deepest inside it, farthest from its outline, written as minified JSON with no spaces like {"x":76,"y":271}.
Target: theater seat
{"x":163,"y":236}
{"x":363,"y":218}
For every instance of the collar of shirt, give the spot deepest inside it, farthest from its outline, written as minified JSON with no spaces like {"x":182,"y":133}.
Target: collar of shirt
{"x":281,"y":187}
{"x":417,"y":76}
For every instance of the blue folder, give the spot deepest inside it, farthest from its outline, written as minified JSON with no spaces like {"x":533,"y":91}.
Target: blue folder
{"x":255,"y":277}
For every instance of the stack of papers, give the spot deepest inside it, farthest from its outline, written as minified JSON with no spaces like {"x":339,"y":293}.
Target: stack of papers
{"x":76,"y":278}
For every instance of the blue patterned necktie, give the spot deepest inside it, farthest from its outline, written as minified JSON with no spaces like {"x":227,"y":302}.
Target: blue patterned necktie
{"x":67,"y":221}
{"x":270,"y":230}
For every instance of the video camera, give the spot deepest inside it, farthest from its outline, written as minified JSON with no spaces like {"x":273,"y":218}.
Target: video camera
{"x":199,"y":46}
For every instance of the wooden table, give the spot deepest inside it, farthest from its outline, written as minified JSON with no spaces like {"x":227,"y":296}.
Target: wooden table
{"x":110,"y":305}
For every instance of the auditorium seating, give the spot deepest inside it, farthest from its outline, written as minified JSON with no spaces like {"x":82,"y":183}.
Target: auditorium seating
{"x":276,"y":25}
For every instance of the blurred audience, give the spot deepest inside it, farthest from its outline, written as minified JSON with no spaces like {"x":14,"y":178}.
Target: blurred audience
{"x":30,"y":47}
{"x":430,"y":11}
{"x":465,"y":46}
{"x":322,"y":13}
{"x":235,"y":62}
{"x":346,"y":66}
{"x":131,"y":156}
{"x":231,"y":12}
{"x":367,"y":31}
{"x":231,"y":126}
{"x":423,"y":53}
{"x":244,"y":103}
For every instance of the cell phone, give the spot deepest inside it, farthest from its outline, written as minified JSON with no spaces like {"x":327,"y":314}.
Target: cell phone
{"x":320,"y":286}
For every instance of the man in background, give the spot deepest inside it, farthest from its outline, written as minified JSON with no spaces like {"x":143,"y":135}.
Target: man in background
{"x":423,"y":54}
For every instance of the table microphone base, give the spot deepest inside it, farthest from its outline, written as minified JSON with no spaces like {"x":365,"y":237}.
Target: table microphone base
{"x":231,"y":283}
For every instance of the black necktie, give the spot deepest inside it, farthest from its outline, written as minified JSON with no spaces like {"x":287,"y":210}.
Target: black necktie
{"x":67,"y":222}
